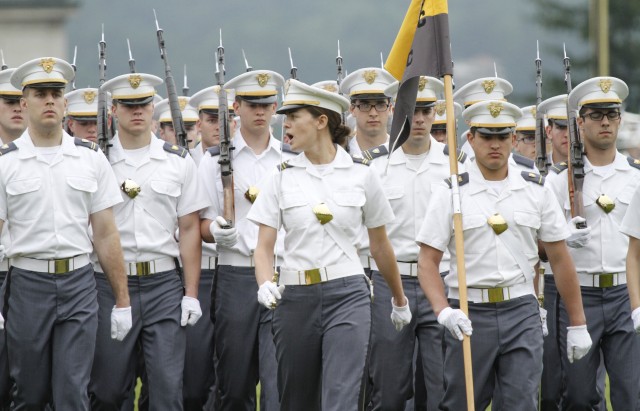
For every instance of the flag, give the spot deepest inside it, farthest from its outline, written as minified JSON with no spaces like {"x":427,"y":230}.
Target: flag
{"x":421,"y":48}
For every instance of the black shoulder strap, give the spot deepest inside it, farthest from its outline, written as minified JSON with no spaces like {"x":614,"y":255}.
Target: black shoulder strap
{"x":7,"y":148}
{"x":174,"y":149}
{"x":523,"y":161}
{"x":213,"y":151}
{"x":462,"y":156}
{"x":85,"y":143}
{"x":559,"y":167}
{"x":375,"y":152}
{"x":284,"y":166}
{"x":635,"y":163}
{"x":533,"y":177}
{"x":462,"y":180}
{"x":362,"y":161}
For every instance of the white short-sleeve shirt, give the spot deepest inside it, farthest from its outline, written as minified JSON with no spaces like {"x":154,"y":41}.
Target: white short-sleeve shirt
{"x":528,"y":210}
{"x":352,"y":192}
{"x":48,"y":204}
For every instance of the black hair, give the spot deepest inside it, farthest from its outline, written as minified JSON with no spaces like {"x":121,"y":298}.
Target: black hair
{"x":339,"y":131}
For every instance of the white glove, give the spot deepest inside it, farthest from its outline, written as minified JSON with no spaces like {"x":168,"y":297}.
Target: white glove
{"x":543,"y":320}
{"x":456,"y":322}
{"x":578,"y":342}
{"x":400,"y":316}
{"x":269,"y":294}
{"x":121,"y":322}
{"x":635,"y":316}
{"x":578,"y":237}
{"x":2,"y":253}
{"x":191,"y":311}
{"x":226,"y":237}
{"x":1,"y":322}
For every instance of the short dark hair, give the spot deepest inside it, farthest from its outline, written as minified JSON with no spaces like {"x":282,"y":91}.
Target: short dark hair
{"x":339,"y":131}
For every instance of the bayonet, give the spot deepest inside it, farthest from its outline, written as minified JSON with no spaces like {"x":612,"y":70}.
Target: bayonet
{"x":75,"y":68}
{"x":132,"y":61}
{"x":185,"y":87}
{"x":339,"y":66}
{"x":246,"y":63}
{"x":294,"y":69}
{"x":4,"y":65}
{"x":542,"y":161}
{"x":103,"y":116}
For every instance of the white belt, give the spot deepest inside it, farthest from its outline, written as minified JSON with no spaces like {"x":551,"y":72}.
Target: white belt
{"x":55,"y":266}
{"x":208,"y":263}
{"x":367,"y":262}
{"x":146,"y":267}
{"x":4,"y":265}
{"x":235,"y":260}
{"x":408,"y":269}
{"x":603,"y":280}
{"x":319,"y":275}
{"x":494,"y":295}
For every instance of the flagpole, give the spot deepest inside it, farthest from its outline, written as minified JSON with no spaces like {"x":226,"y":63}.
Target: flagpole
{"x":459,"y":238}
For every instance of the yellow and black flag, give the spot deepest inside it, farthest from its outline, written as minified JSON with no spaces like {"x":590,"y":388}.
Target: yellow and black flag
{"x":422,"y":48}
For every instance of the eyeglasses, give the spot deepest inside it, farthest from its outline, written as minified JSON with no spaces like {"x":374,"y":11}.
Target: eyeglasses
{"x":599,"y":115}
{"x":366,"y":107}
{"x":527,"y":139}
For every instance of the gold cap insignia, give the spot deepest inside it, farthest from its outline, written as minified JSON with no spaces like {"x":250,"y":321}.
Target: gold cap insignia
{"x":89,"y":96}
{"x":182,"y":102}
{"x":495,"y":109}
{"x":606,"y":203}
{"x":130,"y":188}
{"x":369,"y":76}
{"x":323,"y":214}
{"x":135,"y":80}
{"x":488,"y":85}
{"x":605,"y":85}
{"x":441,"y":108}
{"x":422,"y":83}
{"x":533,"y":111}
{"x":47,"y":64}
{"x":498,"y":223}
{"x":263,"y":78}
{"x":330,"y":87}
{"x":251,"y":194}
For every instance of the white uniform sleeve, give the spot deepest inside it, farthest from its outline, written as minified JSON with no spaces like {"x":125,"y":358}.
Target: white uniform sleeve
{"x":377,"y":210}
{"x":631,"y":222}
{"x":108,"y":192}
{"x":192,"y":198}
{"x":553,"y":225}
{"x":208,"y":176}
{"x":437,"y":226}
{"x":266,"y":208}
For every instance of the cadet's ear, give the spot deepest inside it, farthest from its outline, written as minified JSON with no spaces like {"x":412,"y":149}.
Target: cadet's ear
{"x":323,"y":121}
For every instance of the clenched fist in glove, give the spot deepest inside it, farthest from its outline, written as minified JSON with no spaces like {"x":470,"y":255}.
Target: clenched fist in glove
{"x":226,"y":237}
{"x":269,"y":294}
{"x":400,"y":316}
{"x":191,"y":311}
{"x":635,"y":317}
{"x":121,"y":322}
{"x":456,"y":322}
{"x":578,"y":237}
{"x":543,"y":320}
{"x":578,"y":342}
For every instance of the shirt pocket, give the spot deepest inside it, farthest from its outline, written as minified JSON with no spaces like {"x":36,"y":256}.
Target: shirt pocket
{"x":161,"y":202}
{"x":349,"y":206}
{"x":24,"y":198}
{"x":82,"y":189}
{"x":295,"y":209}
{"x":477,"y":233}
{"x":395,"y":195}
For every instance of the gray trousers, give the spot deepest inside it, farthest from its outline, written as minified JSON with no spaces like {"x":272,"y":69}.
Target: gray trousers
{"x":391,"y":359}
{"x":609,"y":323}
{"x":51,"y":322}
{"x":506,"y":349}
{"x":551,"y":383}
{"x":321,"y":333}
{"x":5,"y":382}
{"x":199,"y":374}
{"x":155,"y":306}
{"x":244,"y":348}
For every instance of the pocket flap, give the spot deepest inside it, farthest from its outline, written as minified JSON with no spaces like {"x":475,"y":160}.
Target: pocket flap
{"x":23,"y":186}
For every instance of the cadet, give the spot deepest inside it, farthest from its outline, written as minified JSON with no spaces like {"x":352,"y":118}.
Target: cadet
{"x":524,"y":139}
{"x":162,"y":113}
{"x":322,"y":198}
{"x":439,"y":127}
{"x":13,"y":122}
{"x":370,"y":107}
{"x":505,"y":212}
{"x":53,"y":187}
{"x":555,"y":110}
{"x":243,"y":341}
{"x":82,"y":113}
{"x":160,"y":192}
{"x":599,"y":250}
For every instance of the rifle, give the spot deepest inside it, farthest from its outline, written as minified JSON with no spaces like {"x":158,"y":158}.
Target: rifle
{"x":339,"y":79}
{"x":4,"y":65}
{"x":542,"y":162}
{"x":246,"y":63}
{"x":226,"y":145}
{"x":132,"y":62}
{"x":185,"y":88}
{"x":294,"y":69}
{"x":575,"y":171}
{"x":174,"y":105}
{"x":103,"y":116}
{"x":75,"y":68}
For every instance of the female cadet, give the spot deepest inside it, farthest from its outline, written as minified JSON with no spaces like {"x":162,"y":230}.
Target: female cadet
{"x":322,"y":198}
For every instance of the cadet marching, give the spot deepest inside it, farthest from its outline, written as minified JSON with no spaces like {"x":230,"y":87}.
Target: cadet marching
{"x":326,"y":269}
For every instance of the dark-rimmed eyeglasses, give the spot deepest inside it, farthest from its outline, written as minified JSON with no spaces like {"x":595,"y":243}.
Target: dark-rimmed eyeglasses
{"x":527,"y":139}
{"x":599,"y":115}
{"x":366,"y":107}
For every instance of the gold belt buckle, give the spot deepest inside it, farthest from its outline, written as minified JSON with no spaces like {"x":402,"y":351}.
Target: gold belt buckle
{"x":143,"y":268}
{"x":60,"y":266}
{"x":312,"y":276}
{"x":605,"y":280}
{"x":496,"y":295}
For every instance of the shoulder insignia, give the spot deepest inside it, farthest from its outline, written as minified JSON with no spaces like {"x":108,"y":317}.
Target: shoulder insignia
{"x":462,"y":156}
{"x":7,"y":148}
{"x":286,"y":148}
{"x":523,"y":161}
{"x":213,"y":151}
{"x":375,"y":152}
{"x":559,"y":167}
{"x":284,"y":166}
{"x":462,"y":180}
{"x":175,"y":149}
{"x":533,"y":177}
{"x":85,"y":143}
{"x":633,"y":162}
{"x":363,"y":161}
